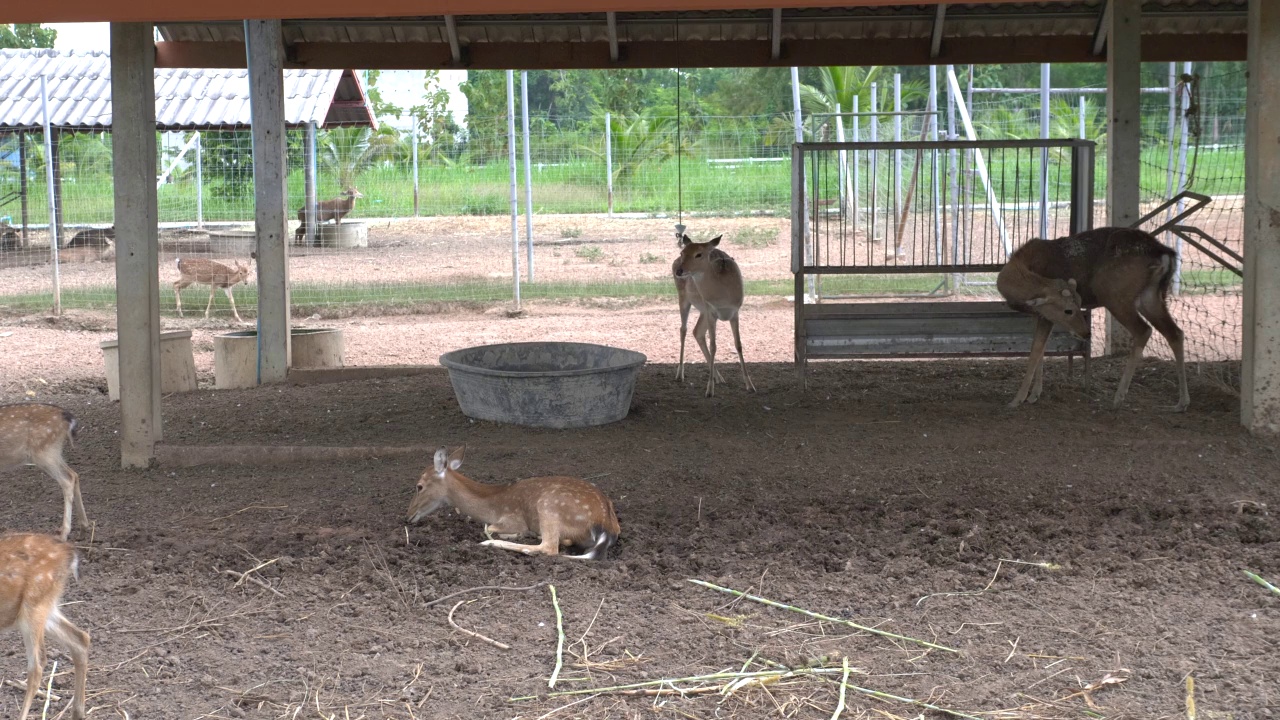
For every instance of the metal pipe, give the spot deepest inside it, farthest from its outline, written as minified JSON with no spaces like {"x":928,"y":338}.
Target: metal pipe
{"x":199,"y":179}
{"x":608,"y":157}
{"x":897,"y":154}
{"x":414,"y":137}
{"x":313,"y":204}
{"x":1045,"y":82}
{"x":528,"y":174}
{"x":53,"y":206}
{"x":515,"y":198}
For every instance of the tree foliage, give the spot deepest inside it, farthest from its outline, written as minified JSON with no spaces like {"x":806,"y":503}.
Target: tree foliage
{"x":26,"y":36}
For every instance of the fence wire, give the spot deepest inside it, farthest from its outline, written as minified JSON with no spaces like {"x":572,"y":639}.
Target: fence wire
{"x":606,"y":193}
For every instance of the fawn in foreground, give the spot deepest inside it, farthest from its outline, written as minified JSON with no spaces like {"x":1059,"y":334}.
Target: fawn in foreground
{"x":1126,"y":271}
{"x":34,"y":434}
{"x":564,"y":511}
{"x":33,"y":575}
{"x":708,"y":279}
{"x":215,"y":275}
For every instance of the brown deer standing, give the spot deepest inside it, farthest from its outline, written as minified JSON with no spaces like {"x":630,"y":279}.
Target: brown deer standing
{"x":34,"y":434}
{"x":564,"y":511}
{"x":334,"y":210}
{"x":34,"y":570}
{"x":708,"y":279}
{"x":215,"y":275}
{"x":1126,"y":271}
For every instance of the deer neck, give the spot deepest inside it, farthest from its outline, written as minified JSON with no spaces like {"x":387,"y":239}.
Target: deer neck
{"x":473,"y":499}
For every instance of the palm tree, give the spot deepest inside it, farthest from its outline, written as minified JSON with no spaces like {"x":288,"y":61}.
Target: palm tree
{"x":346,"y":151}
{"x":640,"y":138}
{"x":839,"y":85}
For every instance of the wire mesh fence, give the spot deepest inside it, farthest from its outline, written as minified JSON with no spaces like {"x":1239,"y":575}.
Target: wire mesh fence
{"x":434,"y":223}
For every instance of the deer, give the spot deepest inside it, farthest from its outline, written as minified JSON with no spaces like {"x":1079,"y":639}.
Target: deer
{"x":215,"y":275}
{"x":33,"y":576}
{"x":93,"y":237}
{"x":334,"y":210}
{"x":1124,"y":270}
{"x":35,"y":434}
{"x":563,"y":511}
{"x":709,"y":280}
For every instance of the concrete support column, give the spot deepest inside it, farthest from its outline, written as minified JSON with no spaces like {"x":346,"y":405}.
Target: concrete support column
{"x":133,"y":152}
{"x":1124,"y":132}
{"x":265,"y":49}
{"x":1260,"y":384}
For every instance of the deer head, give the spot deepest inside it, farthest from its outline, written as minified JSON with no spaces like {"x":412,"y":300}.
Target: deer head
{"x":352,"y":193}
{"x":1059,"y":303}
{"x":695,"y":258}
{"x":433,"y":486}
{"x":240,"y":275}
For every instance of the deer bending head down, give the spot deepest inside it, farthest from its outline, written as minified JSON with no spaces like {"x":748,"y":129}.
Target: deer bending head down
{"x":35,"y":434}
{"x":1126,"y":271}
{"x":709,"y":280}
{"x":214,"y":274}
{"x":564,"y":511}
{"x":334,"y":210}
{"x":34,"y":570}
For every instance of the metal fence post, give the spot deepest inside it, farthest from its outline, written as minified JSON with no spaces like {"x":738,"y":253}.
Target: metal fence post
{"x":608,"y":158}
{"x":515,"y":198}
{"x":199,"y":179}
{"x":1045,"y":82}
{"x":49,"y":191}
{"x":528,"y":173}
{"x":415,"y":165}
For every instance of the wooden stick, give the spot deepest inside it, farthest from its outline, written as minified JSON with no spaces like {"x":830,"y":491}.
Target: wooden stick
{"x":476,"y":635}
{"x":844,"y":687}
{"x":817,"y":616}
{"x":481,"y":588}
{"x":22,"y":685}
{"x":255,"y":580}
{"x":559,"y":638}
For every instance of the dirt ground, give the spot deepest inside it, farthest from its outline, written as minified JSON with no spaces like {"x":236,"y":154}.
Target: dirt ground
{"x":1053,"y":547}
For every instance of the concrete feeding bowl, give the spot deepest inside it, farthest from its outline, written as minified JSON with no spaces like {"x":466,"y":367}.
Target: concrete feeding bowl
{"x":544,"y":384}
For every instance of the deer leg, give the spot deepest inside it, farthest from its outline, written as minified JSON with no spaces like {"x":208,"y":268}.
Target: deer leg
{"x":177,"y":294}
{"x":66,"y":478}
{"x":76,"y":642}
{"x":1141,"y":332}
{"x":212,"y":289}
{"x":1043,"y":328}
{"x":550,"y":544}
{"x":700,"y":334}
{"x":712,"y":326}
{"x":742,"y":360}
{"x":1155,"y":310}
{"x":84,"y":518}
{"x":33,"y":639}
{"x":1038,"y":386}
{"x":231,"y":299}
{"x":684,"y":325}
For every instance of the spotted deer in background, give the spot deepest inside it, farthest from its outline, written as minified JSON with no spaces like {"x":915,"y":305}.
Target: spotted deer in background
{"x":709,"y":280}
{"x":214,"y":274}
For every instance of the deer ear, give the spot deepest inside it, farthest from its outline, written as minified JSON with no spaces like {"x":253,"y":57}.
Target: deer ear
{"x":455,"y":458}
{"x":1037,"y":302}
{"x":441,"y":456}
{"x":1071,"y":283}
{"x":716,"y":240}
{"x":684,"y":240}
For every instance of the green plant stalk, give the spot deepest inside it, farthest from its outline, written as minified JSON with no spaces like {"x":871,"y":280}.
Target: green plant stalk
{"x":818,"y":616}
{"x":559,"y":638}
{"x":1262,"y":582}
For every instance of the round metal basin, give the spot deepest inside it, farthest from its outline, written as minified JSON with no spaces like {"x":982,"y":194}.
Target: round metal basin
{"x":544,"y":384}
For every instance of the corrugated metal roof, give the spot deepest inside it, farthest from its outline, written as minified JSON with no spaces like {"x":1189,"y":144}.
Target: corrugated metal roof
{"x":79,"y":91}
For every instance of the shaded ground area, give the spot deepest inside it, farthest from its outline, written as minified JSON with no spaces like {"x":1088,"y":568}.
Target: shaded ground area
{"x":888,"y":494}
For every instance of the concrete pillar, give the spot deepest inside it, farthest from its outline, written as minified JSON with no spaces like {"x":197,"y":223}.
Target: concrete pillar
{"x":1260,"y":383}
{"x":1124,"y":132}
{"x":265,"y":49}
{"x":133,"y":152}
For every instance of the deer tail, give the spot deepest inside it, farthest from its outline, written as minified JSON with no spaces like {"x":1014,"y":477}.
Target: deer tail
{"x":601,"y":541}
{"x":73,"y":426}
{"x":1162,"y":272}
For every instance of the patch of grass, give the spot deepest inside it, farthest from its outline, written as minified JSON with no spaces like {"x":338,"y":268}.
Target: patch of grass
{"x":754,"y":237}
{"x":570,"y":233}
{"x":648,"y":258}
{"x":590,"y":253}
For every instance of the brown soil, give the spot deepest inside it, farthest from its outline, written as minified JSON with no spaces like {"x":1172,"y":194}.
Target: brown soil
{"x":888,"y":494}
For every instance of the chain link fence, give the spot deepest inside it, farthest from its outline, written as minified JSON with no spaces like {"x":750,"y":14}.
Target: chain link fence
{"x":433,"y":222}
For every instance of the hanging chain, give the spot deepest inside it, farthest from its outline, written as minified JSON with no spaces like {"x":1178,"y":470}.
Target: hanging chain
{"x":1189,"y":87}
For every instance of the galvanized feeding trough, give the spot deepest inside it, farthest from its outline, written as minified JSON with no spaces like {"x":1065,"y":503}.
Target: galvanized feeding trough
{"x":544,"y":384}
